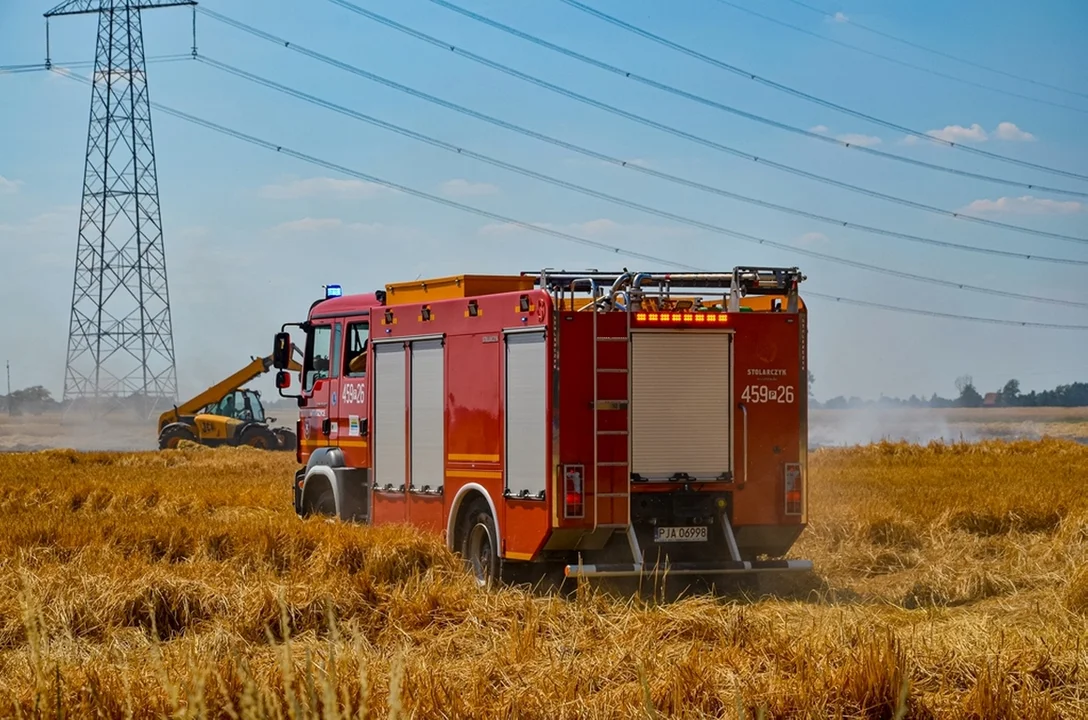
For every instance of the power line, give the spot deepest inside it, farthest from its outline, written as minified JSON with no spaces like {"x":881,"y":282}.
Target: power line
{"x":803,"y":95}
{"x":645,"y":170}
{"x":686,"y":135}
{"x":420,"y":137}
{"x":703,"y":100}
{"x":897,"y":61}
{"x":35,"y":67}
{"x":239,"y":135}
{"x":941,"y":53}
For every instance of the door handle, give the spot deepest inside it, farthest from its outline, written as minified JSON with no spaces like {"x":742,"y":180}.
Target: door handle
{"x":326,"y":426}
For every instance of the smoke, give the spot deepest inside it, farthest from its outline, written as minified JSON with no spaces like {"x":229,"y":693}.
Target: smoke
{"x":119,"y":431}
{"x":860,"y":426}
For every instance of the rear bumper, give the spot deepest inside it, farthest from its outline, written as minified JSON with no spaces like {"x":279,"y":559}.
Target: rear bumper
{"x":688,"y":568}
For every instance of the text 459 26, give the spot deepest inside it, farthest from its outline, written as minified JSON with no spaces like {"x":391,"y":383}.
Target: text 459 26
{"x":768,"y":393}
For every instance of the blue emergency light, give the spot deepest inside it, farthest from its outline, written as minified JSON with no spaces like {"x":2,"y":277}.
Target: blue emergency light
{"x":332,"y":291}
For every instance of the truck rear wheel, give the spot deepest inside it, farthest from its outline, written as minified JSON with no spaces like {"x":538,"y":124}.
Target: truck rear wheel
{"x":479,"y":543}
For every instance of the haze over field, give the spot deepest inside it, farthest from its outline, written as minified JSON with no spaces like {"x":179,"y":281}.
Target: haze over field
{"x":826,"y":427}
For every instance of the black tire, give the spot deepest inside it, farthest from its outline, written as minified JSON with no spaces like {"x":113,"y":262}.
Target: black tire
{"x":258,"y":436}
{"x":323,"y":504}
{"x":286,"y":439}
{"x":480,"y":543}
{"x":171,"y":435}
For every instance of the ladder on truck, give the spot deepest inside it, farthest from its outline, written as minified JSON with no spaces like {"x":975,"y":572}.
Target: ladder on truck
{"x":617,"y":472}
{"x":611,"y":468}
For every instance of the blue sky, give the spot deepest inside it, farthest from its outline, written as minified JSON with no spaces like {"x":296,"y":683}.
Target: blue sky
{"x":251,"y":236}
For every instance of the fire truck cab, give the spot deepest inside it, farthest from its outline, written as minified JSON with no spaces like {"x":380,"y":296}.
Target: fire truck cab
{"x":580,"y":423}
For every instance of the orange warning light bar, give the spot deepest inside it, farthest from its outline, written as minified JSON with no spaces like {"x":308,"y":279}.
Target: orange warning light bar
{"x":681,"y":318}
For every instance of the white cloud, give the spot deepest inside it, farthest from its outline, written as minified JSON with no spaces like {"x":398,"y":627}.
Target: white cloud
{"x":192,"y":232}
{"x":324,"y":186}
{"x":840,"y":17}
{"x":1025,"y":205}
{"x":9,"y":187}
{"x":339,"y":228}
{"x":597,"y":229}
{"x":976,"y":133}
{"x":958,"y":133}
{"x":1009,"y":131}
{"x":852,"y":138}
{"x":812,"y":238}
{"x":459,"y":187}
{"x":858,"y":139}
{"x":308,"y":225}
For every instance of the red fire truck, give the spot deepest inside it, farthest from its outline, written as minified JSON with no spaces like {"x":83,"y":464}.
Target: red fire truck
{"x":580,"y":424}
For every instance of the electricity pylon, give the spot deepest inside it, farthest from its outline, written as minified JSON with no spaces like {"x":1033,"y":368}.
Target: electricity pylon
{"x":120,"y":337}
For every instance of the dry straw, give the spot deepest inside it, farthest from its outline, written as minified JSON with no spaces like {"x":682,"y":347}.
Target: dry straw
{"x":950,"y":583}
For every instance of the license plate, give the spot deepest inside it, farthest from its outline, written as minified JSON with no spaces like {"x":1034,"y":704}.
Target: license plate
{"x":680,"y":534}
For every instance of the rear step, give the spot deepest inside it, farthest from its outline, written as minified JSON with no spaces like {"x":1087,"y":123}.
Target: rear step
{"x":732,"y":566}
{"x":689,"y":568}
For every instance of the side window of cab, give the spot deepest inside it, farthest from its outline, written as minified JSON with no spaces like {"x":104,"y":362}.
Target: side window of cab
{"x":355,"y":350}
{"x":317,"y":356}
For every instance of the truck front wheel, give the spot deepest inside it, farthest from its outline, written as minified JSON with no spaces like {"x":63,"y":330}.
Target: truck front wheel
{"x":479,"y":543}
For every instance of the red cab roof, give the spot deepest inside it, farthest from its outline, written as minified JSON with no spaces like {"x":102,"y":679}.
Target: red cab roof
{"x":346,"y":305}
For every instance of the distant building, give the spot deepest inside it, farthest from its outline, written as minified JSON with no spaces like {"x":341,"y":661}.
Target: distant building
{"x":990,"y":400}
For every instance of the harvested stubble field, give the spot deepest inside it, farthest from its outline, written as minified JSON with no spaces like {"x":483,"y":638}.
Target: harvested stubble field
{"x":950,"y":582}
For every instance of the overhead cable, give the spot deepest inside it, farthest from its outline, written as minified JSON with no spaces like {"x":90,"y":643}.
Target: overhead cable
{"x":703,"y":100}
{"x":239,"y":135}
{"x":465,"y":152}
{"x":806,"y":96}
{"x":897,"y":61}
{"x":646,"y":170}
{"x":941,"y":53}
{"x":696,"y":138}
{"x":36,"y":67}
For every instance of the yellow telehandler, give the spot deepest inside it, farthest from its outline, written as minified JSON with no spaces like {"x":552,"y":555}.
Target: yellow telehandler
{"x":226,"y":414}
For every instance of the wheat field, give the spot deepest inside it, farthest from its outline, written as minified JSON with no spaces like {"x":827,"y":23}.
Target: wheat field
{"x":950,"y":583}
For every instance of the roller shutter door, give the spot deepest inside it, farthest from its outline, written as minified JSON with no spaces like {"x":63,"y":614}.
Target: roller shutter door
{"x":389,"y":414}
{"x":526,"y":413}
{"x":680,"y":403}
{"x":428,"y":413}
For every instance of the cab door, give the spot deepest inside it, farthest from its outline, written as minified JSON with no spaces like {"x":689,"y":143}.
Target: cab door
{"x":350,"y":409}
{"x":316,"y":388}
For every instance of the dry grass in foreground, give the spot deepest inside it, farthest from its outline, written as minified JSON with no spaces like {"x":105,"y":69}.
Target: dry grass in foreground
{"x":950,"y":584}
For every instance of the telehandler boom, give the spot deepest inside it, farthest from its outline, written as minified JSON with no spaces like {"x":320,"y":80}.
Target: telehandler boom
{"x":225,"y":414}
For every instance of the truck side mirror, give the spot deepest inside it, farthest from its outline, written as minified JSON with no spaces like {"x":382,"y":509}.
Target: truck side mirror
{"x":283,"y":379}
{"x":281,"y":353}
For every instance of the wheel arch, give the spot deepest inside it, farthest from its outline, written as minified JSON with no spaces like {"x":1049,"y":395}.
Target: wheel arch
{"x":314,"y":482}
{"x":179,"y":426}
{"x":320,"y":464}
{"x":468,"y":492}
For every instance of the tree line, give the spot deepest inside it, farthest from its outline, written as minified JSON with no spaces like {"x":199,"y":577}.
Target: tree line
{"x":1069,"y":395}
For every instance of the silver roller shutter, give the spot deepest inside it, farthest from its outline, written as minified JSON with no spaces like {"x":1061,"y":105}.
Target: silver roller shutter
{"x":526,"y":413}
{"x":680,"y":403}
{"x":389,"y":431}
{"x":428,"y":413}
